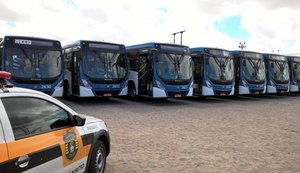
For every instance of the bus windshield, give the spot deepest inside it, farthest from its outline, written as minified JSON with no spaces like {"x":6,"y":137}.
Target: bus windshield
{"x":33,"y":63}
{"x":280,"y":71}
{"x":254,"y":70}
{"x":104,"y":65}
{"x":296,"y":70}
{"x":220,"y":69}
{"x":174,"y":66}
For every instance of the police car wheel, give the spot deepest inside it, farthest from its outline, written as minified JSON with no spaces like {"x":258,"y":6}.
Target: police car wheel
{"x":98,"y":160}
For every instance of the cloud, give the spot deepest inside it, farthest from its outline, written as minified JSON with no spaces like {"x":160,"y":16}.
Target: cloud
{"x":268,"y":24}
{"x":8,"y":13}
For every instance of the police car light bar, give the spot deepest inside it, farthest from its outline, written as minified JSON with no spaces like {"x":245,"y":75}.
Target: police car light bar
{"x":5,"y":75}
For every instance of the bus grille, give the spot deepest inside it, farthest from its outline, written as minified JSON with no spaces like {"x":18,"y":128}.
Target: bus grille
{"x":101,"y":93}
{"x":255,"y":92}
{"x":222,"y":93}
{"x":174,"y":94}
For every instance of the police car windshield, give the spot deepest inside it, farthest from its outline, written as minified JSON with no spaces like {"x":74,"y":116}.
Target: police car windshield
{"x":33,"y":64}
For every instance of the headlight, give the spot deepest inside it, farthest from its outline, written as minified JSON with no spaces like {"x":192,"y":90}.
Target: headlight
{"x":208,"y":84}
{"x":86,"y":84}
{"x":159,"y":85}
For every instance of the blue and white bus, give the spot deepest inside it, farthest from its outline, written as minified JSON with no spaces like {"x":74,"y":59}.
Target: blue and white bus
{"x":95,"y":69}
{"x":160,"y":70}
{"x":278,"y":76}
{"x":35,"y":63}
{"x":250,"y":73}
{"x":294,"y":65}
{"x":213,"y":72}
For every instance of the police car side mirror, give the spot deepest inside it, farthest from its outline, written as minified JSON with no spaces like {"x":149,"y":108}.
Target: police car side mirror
{"x":78,"y":120}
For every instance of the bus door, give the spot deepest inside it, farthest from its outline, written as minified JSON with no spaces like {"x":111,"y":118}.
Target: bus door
{"x":76,"y":73}
{"x":237,"y":71}
{"x":145,"y":66}
{"x":198,"y":74}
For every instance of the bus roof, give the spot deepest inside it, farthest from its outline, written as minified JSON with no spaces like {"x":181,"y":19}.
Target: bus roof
{"x":239,"y":52}
{"x":293,"y":58}
{"x":30,"y":41}
{"x":95,"y":44}
{"x":209,"y":50}
{"x":248,"y":54}
{"x":278,"y":57}
{"x":202,"y":49}
{"x":159,"y":46}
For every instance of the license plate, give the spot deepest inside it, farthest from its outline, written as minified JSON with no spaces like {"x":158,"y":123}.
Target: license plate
{"x":107,"y":94}
{"x":222,"y":94}
{"x":282,"y":92}
{"x":177,"y":95}
{"x":256,"y":92}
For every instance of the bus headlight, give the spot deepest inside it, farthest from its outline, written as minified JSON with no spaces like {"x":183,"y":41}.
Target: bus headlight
{"x":208,"y":84}
{"x":159,"y":85}
{"x":86,"y":84}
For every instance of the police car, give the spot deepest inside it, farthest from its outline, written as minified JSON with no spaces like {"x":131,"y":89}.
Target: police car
{"x":39,"y":134}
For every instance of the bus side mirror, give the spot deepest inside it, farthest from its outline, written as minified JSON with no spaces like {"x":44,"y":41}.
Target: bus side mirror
{"x":244,"y":63}
{"x":295,"y":66}
{"x":272,"y":65}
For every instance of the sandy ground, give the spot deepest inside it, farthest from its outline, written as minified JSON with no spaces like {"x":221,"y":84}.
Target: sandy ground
{"x":245,"y":134}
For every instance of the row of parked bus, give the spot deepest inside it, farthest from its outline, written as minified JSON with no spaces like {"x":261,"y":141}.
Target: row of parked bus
{"x":157,"y":70}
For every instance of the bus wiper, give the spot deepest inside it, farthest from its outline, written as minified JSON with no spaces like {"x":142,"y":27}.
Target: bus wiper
{"x":24,"y":52}
{"x":103,"y":60}
{"x":112,"y":59}
{"x":174,"y":61}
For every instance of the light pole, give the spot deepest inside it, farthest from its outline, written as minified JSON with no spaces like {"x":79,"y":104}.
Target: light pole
{"x":276,"y":50}
{"x":242,"y":45}
{"x":174,"y":34}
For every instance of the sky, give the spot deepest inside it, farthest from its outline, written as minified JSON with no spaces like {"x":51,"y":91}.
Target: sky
{"x":268,"y":26}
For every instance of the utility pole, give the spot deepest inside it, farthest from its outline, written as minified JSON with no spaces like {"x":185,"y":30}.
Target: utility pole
{"x":174,"y":34}
{"x":242,"y":45}
{"x":276,"y":50}
{"x":173,"y":37}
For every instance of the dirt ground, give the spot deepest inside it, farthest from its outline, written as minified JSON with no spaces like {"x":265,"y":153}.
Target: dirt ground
{"x":244,"y":134}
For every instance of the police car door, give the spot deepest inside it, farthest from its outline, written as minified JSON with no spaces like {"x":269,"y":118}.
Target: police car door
{"x":43,"y":140}
{"x":3,"y":151}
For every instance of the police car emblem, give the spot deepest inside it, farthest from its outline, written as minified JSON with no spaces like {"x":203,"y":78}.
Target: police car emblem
{"x":71,"y":145}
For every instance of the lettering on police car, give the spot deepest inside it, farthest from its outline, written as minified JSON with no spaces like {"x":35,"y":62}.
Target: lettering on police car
{"x":79,"y":168}
{"x":92,"y":127}
{"x":71,"y":144}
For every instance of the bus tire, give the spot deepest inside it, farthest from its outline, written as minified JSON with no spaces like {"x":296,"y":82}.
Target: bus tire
{"x":98,"y":158}
{"x":132,"y":94}
{"x":66,"y":90}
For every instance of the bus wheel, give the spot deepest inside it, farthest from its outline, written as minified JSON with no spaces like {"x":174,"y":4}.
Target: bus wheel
{"x":98,"y":158}
{"x":132,"y":94}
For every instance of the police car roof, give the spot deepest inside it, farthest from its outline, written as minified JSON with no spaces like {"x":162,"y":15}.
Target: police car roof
{"x":22,"y":90}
